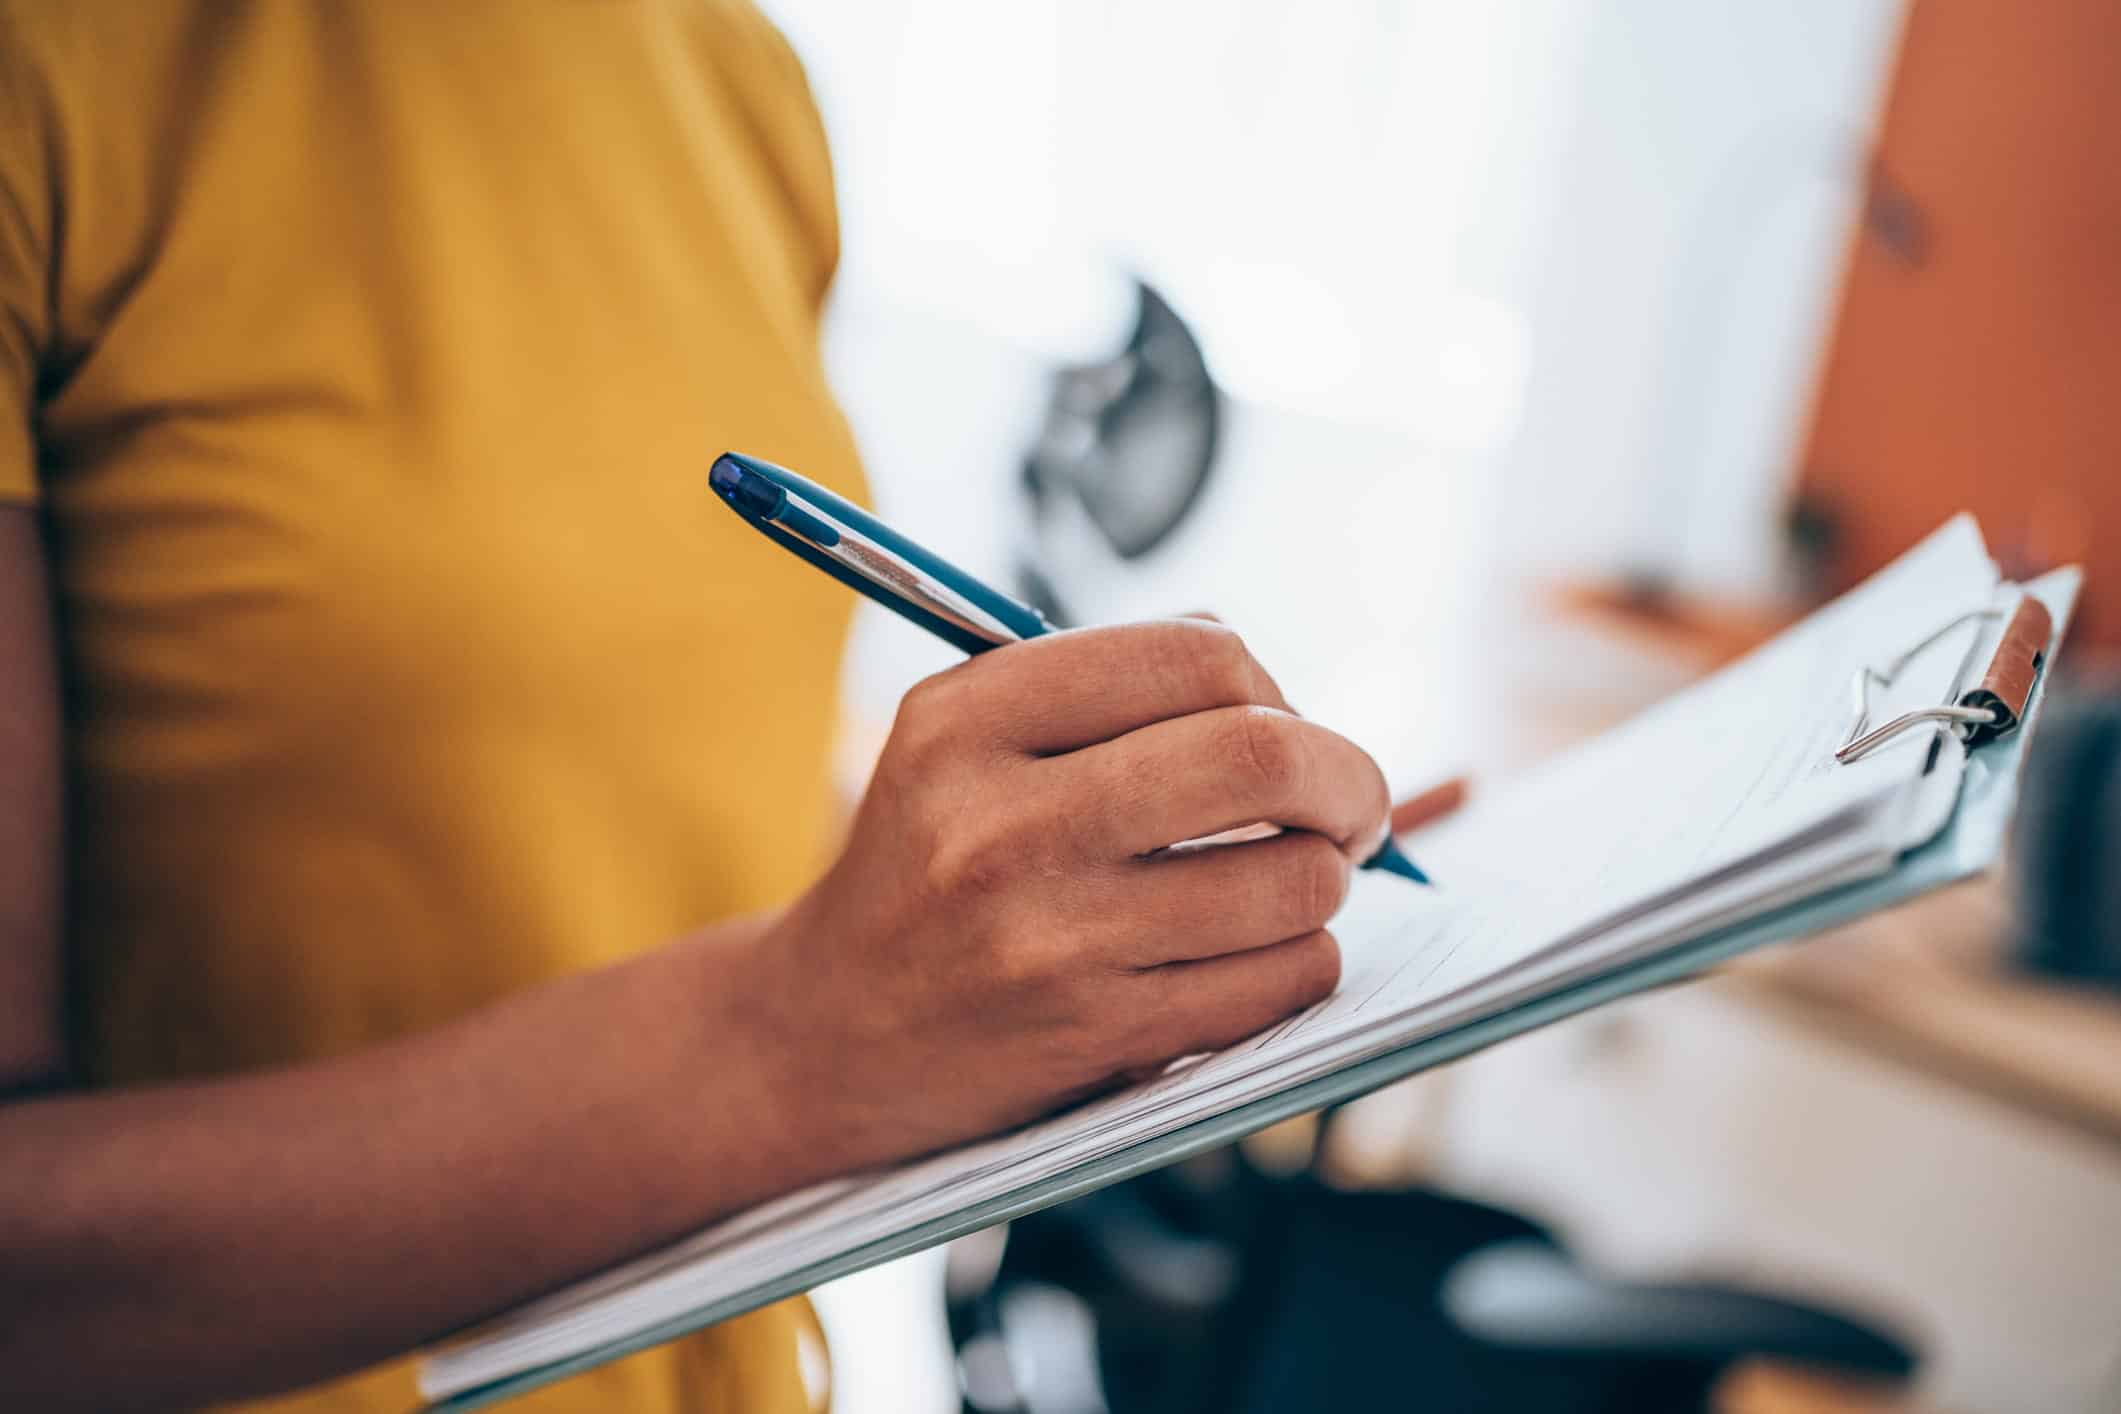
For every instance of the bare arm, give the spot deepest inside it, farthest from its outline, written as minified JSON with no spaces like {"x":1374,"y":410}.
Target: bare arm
{"x":180,"y":1243}
{"x":32,"y":1050}
{"x":1001,"y":934}
{"x":205,"y":1241}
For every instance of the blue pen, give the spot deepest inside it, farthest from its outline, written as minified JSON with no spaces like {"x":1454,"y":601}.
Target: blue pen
{"x":871,"y":558}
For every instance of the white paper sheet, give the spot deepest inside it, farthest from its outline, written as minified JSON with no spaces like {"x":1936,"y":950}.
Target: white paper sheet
{"x":1718,"y":804}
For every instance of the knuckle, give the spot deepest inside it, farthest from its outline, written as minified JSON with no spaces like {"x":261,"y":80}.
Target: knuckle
{"x":1226,"y":662}
{"x":1269,"y":747}
{"x":925,"y":698}
{"x":1316,"y":881}
{"x":1222,"y":661}
{"x":1316,"y":970}
{"x":1017,"y":964}
{"x":929,"y":720}
{"x":973,"y":841}
{"x":965,"y":859}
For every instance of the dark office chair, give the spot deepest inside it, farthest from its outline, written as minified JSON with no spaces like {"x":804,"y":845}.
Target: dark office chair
{"x":1252,"y":1294}
{"x":1642,"y":1346}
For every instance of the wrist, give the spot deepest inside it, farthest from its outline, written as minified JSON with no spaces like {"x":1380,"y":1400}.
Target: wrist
{"x":759,"y":1068}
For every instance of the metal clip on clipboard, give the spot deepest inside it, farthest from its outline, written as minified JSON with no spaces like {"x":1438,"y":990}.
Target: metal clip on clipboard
{"x":1990,"y":708}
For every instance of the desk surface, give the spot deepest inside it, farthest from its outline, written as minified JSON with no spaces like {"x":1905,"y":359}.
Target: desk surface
{"x":1922,"y":986}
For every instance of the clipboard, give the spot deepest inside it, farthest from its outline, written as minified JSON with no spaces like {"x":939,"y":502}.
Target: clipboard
{"x":2010,"y":691}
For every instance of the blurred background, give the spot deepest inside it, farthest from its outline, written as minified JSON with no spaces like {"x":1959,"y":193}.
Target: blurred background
{"x":1497,"y":368}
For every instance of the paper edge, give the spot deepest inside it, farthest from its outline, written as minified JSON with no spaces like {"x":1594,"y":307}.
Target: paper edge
{"x":1969,"y":843}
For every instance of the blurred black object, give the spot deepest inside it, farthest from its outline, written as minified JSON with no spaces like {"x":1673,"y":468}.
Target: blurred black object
{"x":1213,"y":1287}
{"x":1130,"y":440}
{"x":1639,"y":1345}
{"x":2069,"y":844}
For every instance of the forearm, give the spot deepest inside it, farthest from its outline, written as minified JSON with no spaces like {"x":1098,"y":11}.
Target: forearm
{"x":214,"y":1239}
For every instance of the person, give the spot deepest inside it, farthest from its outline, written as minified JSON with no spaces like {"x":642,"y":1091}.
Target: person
{"x":417,"y":882}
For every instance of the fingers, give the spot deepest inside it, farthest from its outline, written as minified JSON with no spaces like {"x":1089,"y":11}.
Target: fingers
{"x":1215,"y":770}
{"x":1069,"y":690}
{"x":1189,"y":1007}
{"x":1200,"y":903}
{"x":1431,"y":804}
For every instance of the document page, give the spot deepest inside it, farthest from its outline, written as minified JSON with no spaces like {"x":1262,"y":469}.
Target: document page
{"x":1721,"y":802}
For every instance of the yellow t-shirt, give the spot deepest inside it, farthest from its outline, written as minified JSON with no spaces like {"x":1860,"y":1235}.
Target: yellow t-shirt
{"x":368,"y":360}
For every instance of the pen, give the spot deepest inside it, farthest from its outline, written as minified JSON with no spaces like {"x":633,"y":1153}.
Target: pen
{"x":871,"y":558}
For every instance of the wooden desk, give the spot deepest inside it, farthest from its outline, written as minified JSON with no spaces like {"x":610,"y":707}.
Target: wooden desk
{"x":1922,"y":987}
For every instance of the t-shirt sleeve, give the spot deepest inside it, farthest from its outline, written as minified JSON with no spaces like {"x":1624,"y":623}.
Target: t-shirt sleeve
{"x":24,"y":276}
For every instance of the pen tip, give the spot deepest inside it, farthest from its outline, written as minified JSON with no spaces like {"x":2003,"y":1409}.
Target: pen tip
{"x":1392,"y":861}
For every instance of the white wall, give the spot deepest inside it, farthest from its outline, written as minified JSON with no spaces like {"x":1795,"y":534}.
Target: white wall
{"x":1691,"y":242}
{"x":1590,"y":242}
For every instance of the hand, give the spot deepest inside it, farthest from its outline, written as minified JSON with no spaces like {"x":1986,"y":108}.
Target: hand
{"x":1412,"y":812}
{"x":1005,"y":932}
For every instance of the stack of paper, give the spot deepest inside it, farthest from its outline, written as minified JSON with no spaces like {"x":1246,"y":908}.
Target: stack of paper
{"x":1720,"y":805}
